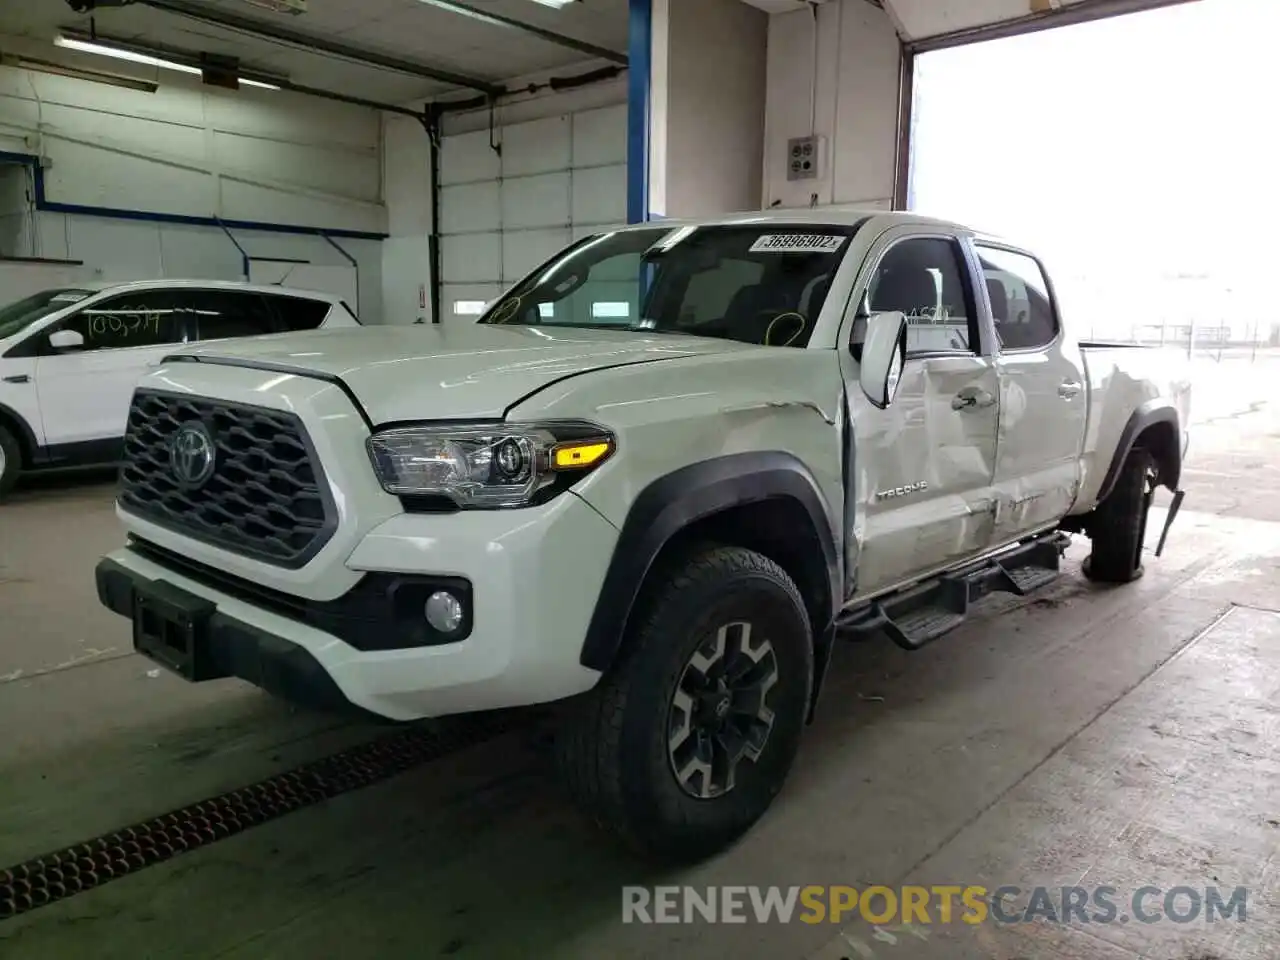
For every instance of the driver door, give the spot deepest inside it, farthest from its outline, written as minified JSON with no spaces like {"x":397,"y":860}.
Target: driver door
{"x":923,"y":469}
{"x":85,"y":392}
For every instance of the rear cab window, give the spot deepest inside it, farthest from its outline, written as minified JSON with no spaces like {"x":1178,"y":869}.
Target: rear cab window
{"x":1022,"y":306}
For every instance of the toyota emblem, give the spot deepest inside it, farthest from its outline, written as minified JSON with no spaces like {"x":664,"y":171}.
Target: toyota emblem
{"x":192,"y":455}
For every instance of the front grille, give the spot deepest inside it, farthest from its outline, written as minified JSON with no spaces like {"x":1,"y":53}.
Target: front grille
{"x":266,"y":497}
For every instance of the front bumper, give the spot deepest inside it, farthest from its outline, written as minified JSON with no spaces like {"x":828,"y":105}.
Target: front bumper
{"x":535,"y":575}
{"x":233,"y":648}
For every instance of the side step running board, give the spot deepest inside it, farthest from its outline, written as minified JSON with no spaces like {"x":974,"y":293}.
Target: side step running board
{"x":920,"y":614}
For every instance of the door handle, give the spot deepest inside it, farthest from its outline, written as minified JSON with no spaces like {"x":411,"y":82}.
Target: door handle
{"x":1069,"y":389}
{"x":18,"y":378}
{"x":972,"y":398}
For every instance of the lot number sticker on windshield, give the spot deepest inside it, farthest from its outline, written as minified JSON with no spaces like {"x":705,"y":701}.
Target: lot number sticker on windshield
{"x":797,"y":243}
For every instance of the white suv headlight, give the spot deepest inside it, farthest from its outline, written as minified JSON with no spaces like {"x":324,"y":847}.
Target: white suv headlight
{"x":487,"y":464}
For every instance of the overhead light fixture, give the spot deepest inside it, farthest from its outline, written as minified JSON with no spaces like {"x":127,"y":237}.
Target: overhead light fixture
{"x":60,"y":70}
{"x":466,"y":11}
{"x":121,"y":52}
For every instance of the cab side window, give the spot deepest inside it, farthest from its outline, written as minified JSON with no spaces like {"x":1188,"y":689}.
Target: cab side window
{"x":147,"y":318}
{"x":1023,"y":311}
{"x":925,"y":278}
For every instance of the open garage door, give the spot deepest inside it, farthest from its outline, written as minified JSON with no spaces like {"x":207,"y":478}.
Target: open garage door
{"x":932,"y":25}
{"x":512,"y":197}
{"x":1087,"y":173}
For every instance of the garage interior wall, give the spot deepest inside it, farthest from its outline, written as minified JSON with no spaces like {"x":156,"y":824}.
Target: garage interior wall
{"x":707,"y":108}
{"x":552,"y":169}
{"x":834,"y":72}
{"x":14,"y":215}
{"x":406,"y":253}
{"x":191,"y":151}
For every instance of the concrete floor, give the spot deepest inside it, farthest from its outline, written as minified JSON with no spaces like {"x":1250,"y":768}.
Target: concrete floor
{"x":1082,"y":737}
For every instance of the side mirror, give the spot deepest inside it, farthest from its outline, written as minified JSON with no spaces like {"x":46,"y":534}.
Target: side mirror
{"x":883,"y":354}
{"x":66,"y":340}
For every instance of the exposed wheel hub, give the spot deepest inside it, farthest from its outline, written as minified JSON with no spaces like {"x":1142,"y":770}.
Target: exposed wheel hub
{"x":720,"y":714}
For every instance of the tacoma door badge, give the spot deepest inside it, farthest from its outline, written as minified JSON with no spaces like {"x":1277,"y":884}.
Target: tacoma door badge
{"x":920,"y":487}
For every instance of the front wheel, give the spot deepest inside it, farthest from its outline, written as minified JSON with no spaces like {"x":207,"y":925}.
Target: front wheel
{"x":10,"y":461}
{"x":683,"y":745}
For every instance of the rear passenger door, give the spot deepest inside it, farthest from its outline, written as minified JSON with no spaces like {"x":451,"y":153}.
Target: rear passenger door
{"x":225,"y":314}
{"x":1042,"y":395}
{"x":922,"y":469}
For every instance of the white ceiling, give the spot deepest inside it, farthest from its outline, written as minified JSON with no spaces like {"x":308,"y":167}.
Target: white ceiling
{"x":416,"y":31}
{"x":925,"y":19}
{"x":406,"y":29}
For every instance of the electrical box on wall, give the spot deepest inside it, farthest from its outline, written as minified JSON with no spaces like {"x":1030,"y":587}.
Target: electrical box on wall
{"x":805,"y":157}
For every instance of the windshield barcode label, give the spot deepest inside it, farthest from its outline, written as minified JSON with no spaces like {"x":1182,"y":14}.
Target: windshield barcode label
{"x":797,"y":243}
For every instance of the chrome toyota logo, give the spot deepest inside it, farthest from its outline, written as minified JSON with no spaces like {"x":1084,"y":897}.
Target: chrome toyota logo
{"x":192,"y":455}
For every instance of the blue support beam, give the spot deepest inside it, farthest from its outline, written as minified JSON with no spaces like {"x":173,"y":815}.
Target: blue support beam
{"x":640,"y":60}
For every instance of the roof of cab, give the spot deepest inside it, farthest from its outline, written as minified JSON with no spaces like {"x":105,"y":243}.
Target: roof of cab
{"x":124,"y":286}
{"x":830,"y":215}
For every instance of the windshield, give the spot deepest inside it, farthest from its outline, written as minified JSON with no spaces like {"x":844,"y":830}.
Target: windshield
{"x":16,"y":317}
{"x":762,"y":283}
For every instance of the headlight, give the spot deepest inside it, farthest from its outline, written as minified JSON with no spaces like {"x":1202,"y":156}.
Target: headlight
{"x":487,"y":464}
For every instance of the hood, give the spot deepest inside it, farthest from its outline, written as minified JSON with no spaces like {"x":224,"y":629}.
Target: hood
{"x":432,"y":372}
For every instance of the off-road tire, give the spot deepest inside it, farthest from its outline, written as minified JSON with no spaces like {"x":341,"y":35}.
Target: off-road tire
{"x":10,"y":461}
{"x":1119,"y":524}
{"x":612,"y":748}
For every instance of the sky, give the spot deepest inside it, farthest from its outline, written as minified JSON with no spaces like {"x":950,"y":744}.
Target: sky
{"x":1138,"y":146}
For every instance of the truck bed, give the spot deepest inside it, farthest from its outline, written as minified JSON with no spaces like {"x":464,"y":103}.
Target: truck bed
{"x":1120,"y":378}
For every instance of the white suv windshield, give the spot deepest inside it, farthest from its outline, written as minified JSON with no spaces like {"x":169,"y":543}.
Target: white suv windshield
{"x":762,"y":283}
{"x":16,"y":317}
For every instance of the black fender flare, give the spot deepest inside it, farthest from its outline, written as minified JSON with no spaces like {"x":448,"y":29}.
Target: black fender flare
{"x":1149,"y":414}
{"x":672,"y":503}
{"x":26,"y":436}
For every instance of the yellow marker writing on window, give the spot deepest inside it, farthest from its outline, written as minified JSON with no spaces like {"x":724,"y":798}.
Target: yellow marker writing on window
{"x":572,"y":455}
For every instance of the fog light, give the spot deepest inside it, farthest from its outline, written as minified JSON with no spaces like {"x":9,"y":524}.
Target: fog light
{"x":444,"y":611}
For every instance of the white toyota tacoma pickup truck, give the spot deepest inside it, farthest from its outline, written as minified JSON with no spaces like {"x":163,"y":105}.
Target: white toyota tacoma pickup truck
{"x":657,"y":479}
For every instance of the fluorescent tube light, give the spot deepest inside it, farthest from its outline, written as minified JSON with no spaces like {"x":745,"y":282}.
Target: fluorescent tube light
{"x":468,"y":11}
{"x":85,"y":46}
{"x":137,"y":56}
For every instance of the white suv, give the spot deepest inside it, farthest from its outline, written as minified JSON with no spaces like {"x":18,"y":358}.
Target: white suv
{"x":69,"y":357}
